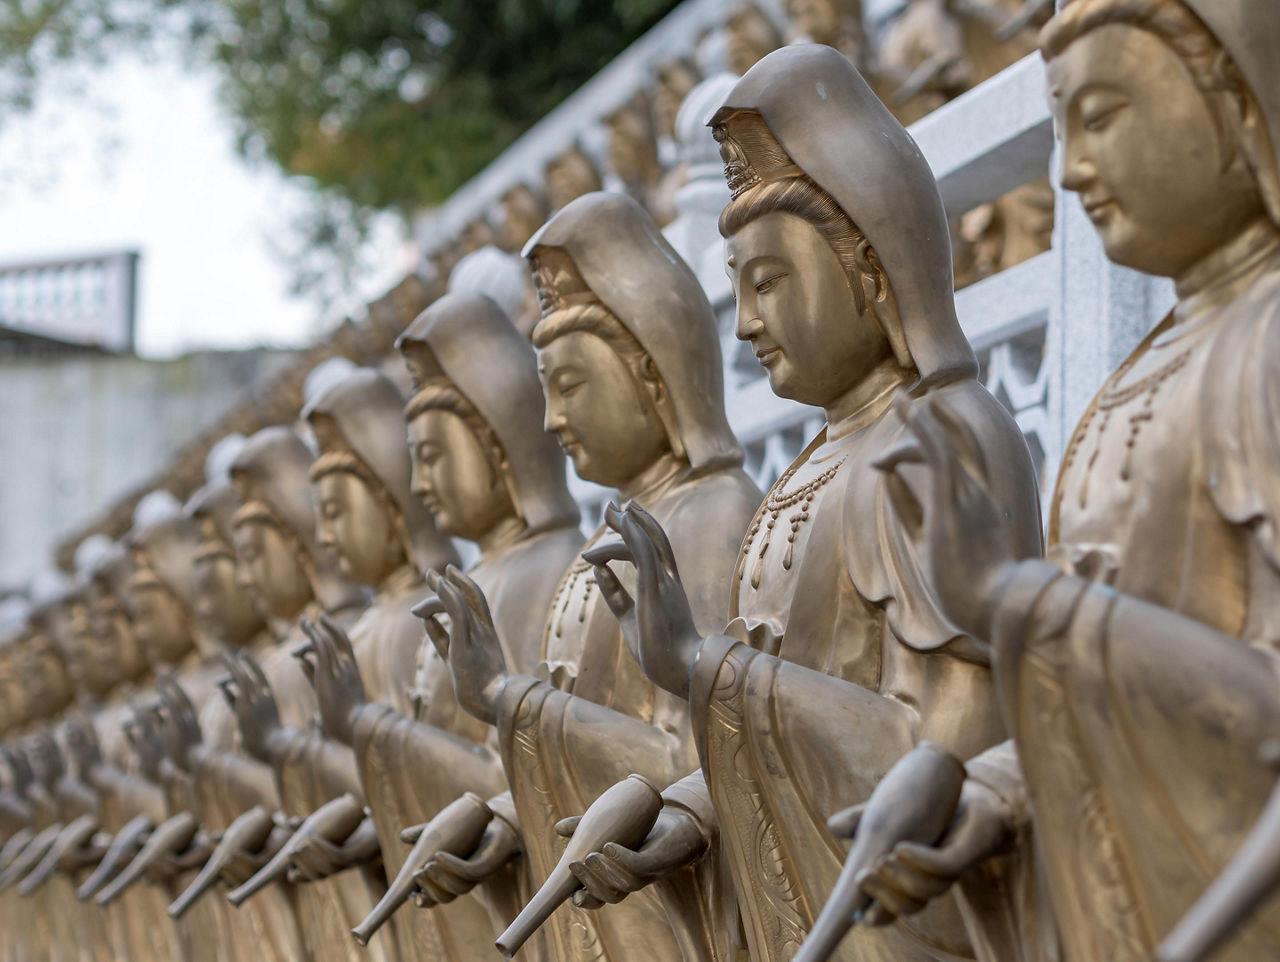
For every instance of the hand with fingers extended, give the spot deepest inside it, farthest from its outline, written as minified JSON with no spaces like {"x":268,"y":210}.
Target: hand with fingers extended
{"x":250,"y":697}
{"x":611,"y":874}
{"x":180,"y":725}
{"x":450,"y":874}
{"x":143,"y":731}
{"x":317,"y":858}
{"x":469,"y":644}
{"x":912,"y":875}
{"x":933,"y":480}
{"x":330,"y":664}
{"x":657,"y":623}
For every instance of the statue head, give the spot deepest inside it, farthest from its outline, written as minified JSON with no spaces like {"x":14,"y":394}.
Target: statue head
{"x":278,"y":560}
{"x":162,"y":589}
{"x":569,"y":175}
{"x":751,"y":35}
{"x":224,"y":610}
{"x":521,"y":211}
{"x":1169,"y":113}
{"x":836,"y":239}
{"x":633,"y":143}
{"x":42,"y":674}
{"x":627,"y":348}
{"x":835,"y":23}
{"x":366,"y":513}
{"x":676,"y":77}
{"x":479,"y":452}
{"x":106,"y":594}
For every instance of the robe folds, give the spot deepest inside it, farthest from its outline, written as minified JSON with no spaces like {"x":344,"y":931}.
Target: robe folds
{"x":590,"y":717}
{"x":1139,"y":671}
{"x":837,"y":662}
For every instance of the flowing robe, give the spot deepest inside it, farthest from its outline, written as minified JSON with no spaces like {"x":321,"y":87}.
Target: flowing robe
{"x":836,"y":664}
{"x":312,"y":770}
{"x":593,"y":717}
{"x":1139,"y":673}
{"x":228,"y":783}
{"x":417,"y":758}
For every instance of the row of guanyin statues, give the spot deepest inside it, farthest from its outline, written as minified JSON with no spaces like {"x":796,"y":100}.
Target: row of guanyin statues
{"x":872,"y":714}
{"x":929,"y":52}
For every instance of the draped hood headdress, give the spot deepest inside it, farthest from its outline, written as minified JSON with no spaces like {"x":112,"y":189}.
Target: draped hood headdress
{"x":361,"y":416}
{"x":631,"y":269}
{"x":271,"y":480}
{"x":835,"y":130}
{"x":471,"y":342}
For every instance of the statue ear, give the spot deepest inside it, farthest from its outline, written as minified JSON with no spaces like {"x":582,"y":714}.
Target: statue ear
{"x":879,"y":297}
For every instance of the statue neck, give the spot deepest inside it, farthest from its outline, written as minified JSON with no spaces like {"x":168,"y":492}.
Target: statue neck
{"x":866,"y":400}
{"x":400,"y":579}
{"x":506,"y":532}
{"x":1223,"y":275}
{"x":657,"y":475}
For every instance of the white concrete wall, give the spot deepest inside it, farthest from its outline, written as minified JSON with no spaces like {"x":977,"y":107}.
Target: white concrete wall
{"x":78,"y":433}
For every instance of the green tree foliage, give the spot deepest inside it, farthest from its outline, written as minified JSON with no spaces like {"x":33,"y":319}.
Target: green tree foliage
{"x":384,"y":103}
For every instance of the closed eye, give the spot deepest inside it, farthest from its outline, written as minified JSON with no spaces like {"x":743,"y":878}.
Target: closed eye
{"x":765,"y":286}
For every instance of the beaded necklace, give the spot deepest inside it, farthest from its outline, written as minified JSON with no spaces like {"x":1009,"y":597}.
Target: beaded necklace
{"x":776,"y":503}
{"x":1112,"y":397}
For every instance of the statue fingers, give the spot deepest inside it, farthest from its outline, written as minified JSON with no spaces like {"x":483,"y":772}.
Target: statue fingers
{"x":637,"y":866}
{"x":907,"y":880}
{"x":339,"y":640}
{"x":567,"y":826}
{"x":599,"y":555}
{"x":657,"y":536}
{"x":451,"y":874}
{"x":611,"y":879}
{"x":471,"y":593}
{"x":431,"y":892}
{"x":615,"y":595}
{"x":585,"y":900}
{"x":307,"y":657}
{"x":410,"y":835}
{"x":599,"y":881}
{"x":845,"y":824}
{"x":889,"y":904}
{"x":439,"y":636}
{"x":256,"y":672}
{"x":946,"y":864}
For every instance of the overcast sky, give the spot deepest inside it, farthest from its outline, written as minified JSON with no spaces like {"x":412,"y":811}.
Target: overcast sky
{"x":143,"y":158}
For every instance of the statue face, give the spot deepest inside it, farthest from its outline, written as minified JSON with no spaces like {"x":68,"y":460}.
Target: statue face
{"x":160,"y":623}
{"x":597,"y":410}
{"x":223,"y":609}
{"x":1140,"y":147}
{"x":95,"y":659}
{"x":797,"y":310}
{"x":269,"y":570}
{"x":110,"y":624}
{"x":454,"y":477}
{"x":353,"y":524}
{"x":819,"y":19}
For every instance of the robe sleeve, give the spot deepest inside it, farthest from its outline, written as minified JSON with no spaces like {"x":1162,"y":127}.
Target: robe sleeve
{"x":1240,"y":428}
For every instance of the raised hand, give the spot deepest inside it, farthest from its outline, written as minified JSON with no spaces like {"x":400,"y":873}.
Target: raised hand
{"x":334,"y":674}
{"x":180,"y":724}
{"x":934,"y":488}
{"x":469,"y":644}
{"x":250,"y":697}
{"x":144,"y":735}
{"x":449,"y":875}
{"x":658,"y":622}
{"x":611,"y":874}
